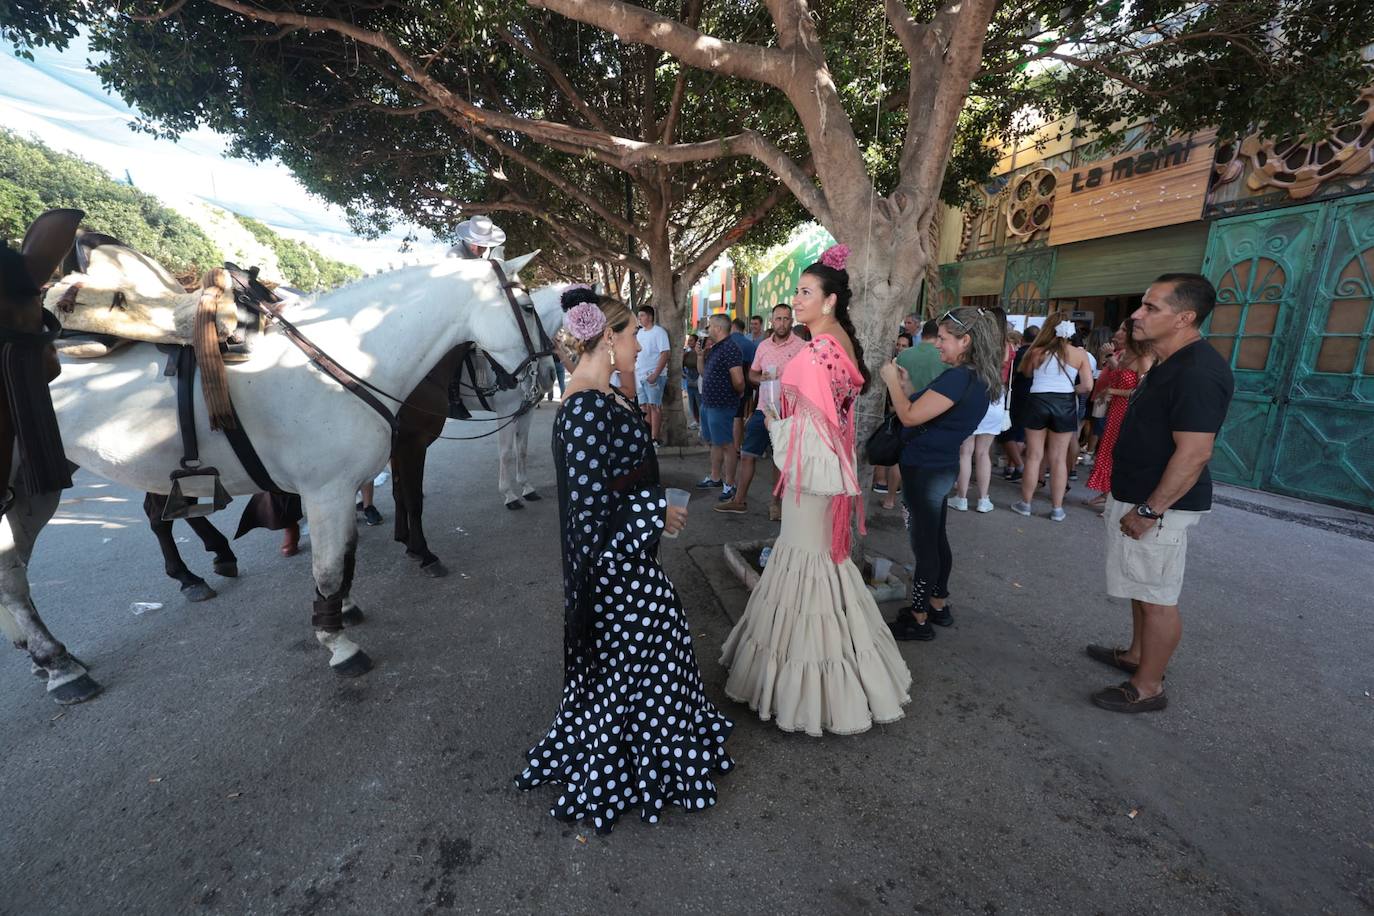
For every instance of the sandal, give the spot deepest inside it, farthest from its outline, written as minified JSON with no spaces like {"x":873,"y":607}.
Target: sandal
{"x":1110,"y":656}
{"x":1124,"y":697}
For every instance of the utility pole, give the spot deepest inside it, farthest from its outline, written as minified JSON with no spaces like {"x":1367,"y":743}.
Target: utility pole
{"x":629,"y":239}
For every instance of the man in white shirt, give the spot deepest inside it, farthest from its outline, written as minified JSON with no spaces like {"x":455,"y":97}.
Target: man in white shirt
{"x":651,"y":369}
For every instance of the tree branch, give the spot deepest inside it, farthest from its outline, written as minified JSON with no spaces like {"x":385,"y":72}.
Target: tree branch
{"x":750,"y":143}
{"x":537,"y":52}
{"x":707,"y":257}
{"x":696,"y":49}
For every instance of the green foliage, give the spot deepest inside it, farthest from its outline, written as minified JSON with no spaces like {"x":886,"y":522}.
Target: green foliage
{"x":34,"y":178}
{"x":29,"y":23}
{"x":301,"y":265}
{"x":19,"y":207}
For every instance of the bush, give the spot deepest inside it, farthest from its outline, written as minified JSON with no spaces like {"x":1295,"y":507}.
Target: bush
{"x":34,"y":178}
{"x":302,"y":266}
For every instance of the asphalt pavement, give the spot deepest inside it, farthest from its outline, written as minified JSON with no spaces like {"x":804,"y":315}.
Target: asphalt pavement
{"x":225,"y":769}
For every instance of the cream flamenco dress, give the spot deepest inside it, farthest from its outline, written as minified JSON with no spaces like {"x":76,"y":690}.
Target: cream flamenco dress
{"x":812,"y":651}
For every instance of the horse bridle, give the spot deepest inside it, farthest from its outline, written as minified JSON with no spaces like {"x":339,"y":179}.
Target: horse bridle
{"x":517,"y":296}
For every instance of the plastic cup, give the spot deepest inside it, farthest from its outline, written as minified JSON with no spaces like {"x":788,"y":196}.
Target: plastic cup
{"x":678,"y":498}
{"x":882,"y":568}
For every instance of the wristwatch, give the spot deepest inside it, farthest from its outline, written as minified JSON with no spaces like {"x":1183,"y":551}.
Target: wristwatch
{"x":1144,"y":511}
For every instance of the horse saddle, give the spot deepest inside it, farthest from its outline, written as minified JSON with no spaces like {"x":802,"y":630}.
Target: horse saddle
{"x":112,"y":293}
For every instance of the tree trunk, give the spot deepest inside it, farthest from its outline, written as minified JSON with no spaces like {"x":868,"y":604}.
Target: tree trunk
{"x":885,"y":278}
{"x":671,"y":310}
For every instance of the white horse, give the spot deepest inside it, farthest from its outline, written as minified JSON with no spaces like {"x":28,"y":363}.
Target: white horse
{"x":118,"y":418}
{"x":513,"y":435}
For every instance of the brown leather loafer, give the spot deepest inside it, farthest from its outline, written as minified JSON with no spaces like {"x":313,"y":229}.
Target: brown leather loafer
{"x":1125,"y":698}
{"x":1110,"y":656}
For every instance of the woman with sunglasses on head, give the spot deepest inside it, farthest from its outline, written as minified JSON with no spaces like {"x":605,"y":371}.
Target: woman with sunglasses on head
{"x":811,"y":651}
{"x":938,"y":419}
{"x":1059,"y":373}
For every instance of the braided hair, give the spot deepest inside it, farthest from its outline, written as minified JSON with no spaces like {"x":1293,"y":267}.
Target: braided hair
{"x":835,"y":282}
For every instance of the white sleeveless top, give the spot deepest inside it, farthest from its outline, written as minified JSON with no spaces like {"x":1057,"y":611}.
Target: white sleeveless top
{"x":1052,"y":377}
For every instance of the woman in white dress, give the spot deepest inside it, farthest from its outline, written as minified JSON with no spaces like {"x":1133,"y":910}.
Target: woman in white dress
{"x":812,"y":652}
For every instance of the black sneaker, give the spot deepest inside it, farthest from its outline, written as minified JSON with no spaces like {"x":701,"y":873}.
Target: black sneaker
{"x":1016,"y":475}
{"x":371,"y":516}
{"x":906,"y":628}
{"x":1073,"y":475}
{"x":941,"y":616}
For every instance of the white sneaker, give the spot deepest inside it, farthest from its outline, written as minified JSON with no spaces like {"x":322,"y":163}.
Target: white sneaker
{"x":984,"y":505}
{"x":958,"y":503}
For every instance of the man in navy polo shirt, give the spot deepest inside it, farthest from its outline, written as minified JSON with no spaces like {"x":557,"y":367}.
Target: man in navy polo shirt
{"x":722,"y":388}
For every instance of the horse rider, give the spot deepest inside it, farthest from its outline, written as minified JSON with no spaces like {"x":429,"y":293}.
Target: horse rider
{"x":479,"y":237}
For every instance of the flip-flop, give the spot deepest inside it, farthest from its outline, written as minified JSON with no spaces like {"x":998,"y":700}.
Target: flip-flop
{"x":1111,"y":656}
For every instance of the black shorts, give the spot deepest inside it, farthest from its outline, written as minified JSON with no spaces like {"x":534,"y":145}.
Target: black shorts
{"x":1052,"y":410}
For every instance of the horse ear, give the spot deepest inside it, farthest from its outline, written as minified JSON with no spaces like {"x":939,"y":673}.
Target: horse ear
{"x":48,"y":241}
{"x":515,"y":265}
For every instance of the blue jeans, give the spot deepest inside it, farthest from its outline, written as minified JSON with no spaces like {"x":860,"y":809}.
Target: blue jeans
{"x":689,"y":383}
{"x":718,"y":425}
{"x":558,"y":368}
{"x":924,"y":490}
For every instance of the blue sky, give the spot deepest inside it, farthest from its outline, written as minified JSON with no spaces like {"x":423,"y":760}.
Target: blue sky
{"x":56,"y":99}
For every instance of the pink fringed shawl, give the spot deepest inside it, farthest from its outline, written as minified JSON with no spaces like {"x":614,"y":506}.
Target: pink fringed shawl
{"x":819,"y":388}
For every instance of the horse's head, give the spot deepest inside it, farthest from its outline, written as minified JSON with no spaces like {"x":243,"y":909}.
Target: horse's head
{"x":26,"y":333}
{"x":23,"y":272}
{"x":513,"y":326}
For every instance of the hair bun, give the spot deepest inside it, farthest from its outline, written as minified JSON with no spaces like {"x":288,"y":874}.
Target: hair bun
{"x":576,"y":295}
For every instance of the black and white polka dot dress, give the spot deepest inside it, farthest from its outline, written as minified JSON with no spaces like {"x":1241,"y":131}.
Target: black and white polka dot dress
{"x":635,"y":729}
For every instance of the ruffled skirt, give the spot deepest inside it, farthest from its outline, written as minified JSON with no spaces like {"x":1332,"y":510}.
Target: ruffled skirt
{"x":635,"y":729}
{"x":812,"y":651}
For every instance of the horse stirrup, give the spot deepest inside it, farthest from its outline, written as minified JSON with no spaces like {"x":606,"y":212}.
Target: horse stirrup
{"x":190,"y":485}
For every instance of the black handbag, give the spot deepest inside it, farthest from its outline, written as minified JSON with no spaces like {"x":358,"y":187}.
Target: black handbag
{"x":884,"y":447}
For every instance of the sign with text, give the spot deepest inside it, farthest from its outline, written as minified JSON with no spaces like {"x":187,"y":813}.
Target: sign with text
{"x":1139,"y":190}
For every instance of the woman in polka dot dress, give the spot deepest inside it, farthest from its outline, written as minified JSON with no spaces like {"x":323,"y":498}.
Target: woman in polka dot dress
{"x":635,"y":730}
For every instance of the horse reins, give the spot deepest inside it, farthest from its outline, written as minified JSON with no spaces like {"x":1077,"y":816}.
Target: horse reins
{"x":364,"y":390}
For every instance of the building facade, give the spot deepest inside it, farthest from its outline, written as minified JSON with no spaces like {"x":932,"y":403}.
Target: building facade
{"x":1284,"y":229}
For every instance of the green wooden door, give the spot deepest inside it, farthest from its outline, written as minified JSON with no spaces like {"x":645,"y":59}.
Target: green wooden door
{"x":1325,"y":443}
{"x":1261,"y":266}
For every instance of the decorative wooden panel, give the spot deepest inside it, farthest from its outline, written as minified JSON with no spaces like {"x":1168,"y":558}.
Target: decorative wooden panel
{"x":1162,"y":186}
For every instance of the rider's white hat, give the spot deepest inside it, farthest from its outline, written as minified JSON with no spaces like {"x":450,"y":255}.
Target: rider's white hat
{"x":481,"y":232}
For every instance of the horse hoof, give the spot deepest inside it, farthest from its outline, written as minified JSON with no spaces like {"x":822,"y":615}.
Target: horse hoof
{"x":228,"y":569}
{"x":198,"y":591}
{"x":435,"y":570}
{"x":289,"y":550}
{"x":356,"y":664}
{"x":353,"y":616}
{"x":77,"y":691}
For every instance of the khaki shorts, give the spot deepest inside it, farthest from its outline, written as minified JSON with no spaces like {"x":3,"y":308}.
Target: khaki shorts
{"x":1149,"y":569}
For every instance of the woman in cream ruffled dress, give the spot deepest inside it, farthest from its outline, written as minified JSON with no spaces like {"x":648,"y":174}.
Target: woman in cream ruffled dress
{"x":812,"y":652}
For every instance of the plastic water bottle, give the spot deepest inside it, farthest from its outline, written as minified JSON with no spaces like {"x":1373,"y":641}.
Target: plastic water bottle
{"x":764,"y":555}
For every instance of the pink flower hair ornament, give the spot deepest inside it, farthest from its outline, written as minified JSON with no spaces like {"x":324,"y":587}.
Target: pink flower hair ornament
{"x":836,"y":257}
{"x":585,"y":321}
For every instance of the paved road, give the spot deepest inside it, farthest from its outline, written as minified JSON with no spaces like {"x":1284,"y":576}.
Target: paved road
{"x":225,"y":770}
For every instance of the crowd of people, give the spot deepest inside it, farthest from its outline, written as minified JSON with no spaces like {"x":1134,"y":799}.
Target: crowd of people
{"x":812,"y":652}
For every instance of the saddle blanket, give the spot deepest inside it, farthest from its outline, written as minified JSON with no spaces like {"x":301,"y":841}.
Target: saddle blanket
{"x":130,"y":296}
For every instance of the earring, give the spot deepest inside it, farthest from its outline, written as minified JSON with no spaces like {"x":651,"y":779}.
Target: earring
{"x":827,"y":310}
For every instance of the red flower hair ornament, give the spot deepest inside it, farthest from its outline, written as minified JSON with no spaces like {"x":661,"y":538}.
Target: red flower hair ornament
{"x":836,"y":257}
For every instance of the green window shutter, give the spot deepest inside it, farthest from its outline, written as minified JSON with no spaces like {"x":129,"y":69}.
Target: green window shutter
{"x":1127,"y":263}
{"x":982,"y":276}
